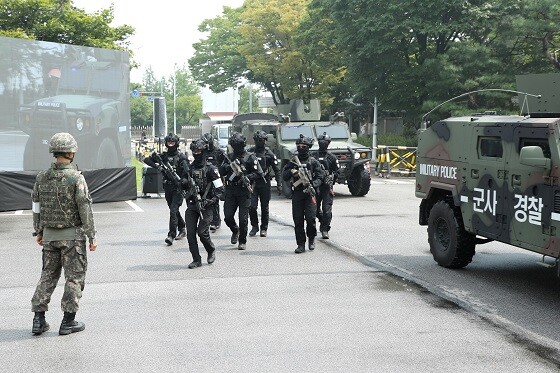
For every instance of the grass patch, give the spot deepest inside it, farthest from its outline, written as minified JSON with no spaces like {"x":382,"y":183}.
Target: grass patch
{"x":139,"y":166}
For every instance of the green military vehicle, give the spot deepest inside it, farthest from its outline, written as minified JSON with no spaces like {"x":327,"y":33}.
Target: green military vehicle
{"x":299,"y":118}
{"x":486,"y":177}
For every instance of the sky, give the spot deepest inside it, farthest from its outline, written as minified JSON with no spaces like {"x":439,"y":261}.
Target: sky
{"x":165,"y":29}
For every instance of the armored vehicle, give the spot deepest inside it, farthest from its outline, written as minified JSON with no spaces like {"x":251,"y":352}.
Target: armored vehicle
{"x":87,"y":96}
{"x":486,"y":177}
{"x":299,"y":118}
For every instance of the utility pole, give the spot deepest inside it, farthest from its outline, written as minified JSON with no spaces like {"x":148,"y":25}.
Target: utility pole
{"x":374,"y":133}
{"x":250,"y":98}
{"x":175,"y":99}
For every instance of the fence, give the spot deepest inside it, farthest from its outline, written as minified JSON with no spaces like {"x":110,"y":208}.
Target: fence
{"x":395,"y":160}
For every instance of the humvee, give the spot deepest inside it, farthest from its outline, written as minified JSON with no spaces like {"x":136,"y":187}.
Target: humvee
{"x":299,"y":118}
{"x":87,"y":96}
{"x":486,"y":177}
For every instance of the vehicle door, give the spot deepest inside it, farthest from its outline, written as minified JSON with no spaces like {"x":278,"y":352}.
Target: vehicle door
{"x":484,"y":179}
{"x":531,"y":198}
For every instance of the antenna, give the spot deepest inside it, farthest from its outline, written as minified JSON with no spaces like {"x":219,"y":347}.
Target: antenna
{"x":424,"y":121}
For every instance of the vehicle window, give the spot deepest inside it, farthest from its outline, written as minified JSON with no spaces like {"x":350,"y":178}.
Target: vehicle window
{"x":335,"y":131}
{"x":293,"y":132}
{"x":542,"y":143}
{"x":224,"y":132}
{"x":490,"y":147}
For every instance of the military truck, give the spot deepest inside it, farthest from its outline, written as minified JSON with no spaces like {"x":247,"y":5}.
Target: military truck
{"x":486,"y":177}
{"x":86,"y":93}
{"x":300,"y":118}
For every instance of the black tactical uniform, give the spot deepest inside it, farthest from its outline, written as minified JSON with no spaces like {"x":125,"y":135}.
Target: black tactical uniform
{"x":261,"y":190}
{"x":304,"y":203}
{"x":238,"y":189}
{"x":214,"y":156}
{"x":325,"y":193}
{"x":172,"y":192}
{"x":206,"y":193}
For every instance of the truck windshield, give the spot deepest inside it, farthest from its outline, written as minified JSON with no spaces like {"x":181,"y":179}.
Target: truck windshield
{"x":223,"y":133}
{"x":293,"y":132}
{"x":335,"y":131}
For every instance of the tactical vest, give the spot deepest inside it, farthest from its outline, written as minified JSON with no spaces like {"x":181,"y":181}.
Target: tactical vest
{"x":56,"y":195}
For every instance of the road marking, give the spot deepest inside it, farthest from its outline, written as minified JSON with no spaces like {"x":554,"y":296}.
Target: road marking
{"x":134,"y":206}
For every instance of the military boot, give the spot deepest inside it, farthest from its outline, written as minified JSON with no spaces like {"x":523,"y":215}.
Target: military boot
{"x":325,"y":235}
{"x":69,"y":325}
{"x":300,"y":249}
{"x":234,"y":237}
{"x":169,"y":240}
{"x":182,"y":234}
{"x":263,"y":232}
{"x":312,"y":243}
{"x":40,"y":325}
{"x":253,"y":231}
{"x":195,"y":264}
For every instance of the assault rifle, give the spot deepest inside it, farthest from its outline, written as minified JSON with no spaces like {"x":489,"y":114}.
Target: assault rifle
{"x":304,"y":178}
{"x":191,"y":189}
{"x":238,"y":171}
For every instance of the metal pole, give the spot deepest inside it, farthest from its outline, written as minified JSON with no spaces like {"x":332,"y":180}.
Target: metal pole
{"x":250,"y":98}
{"x":374,"y":132}
{"x":174,"y":99}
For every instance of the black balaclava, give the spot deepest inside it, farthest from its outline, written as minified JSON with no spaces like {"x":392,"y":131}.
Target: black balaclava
{"x":199,"y":160}
{"x":303,"y":152}
{"x":260,"y":144}
{"x":323,"y":145}
{"x":172,"y":150}
{"x":238,"y":149}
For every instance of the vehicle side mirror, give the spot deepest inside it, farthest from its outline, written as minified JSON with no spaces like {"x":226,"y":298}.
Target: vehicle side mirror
{"x":354,"y":136}
{"x":533,"y":156}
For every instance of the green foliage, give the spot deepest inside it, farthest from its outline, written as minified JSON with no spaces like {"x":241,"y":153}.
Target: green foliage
{"x":58,"y":21}
{"x":138,"y":166}
{"x":390,"y":139}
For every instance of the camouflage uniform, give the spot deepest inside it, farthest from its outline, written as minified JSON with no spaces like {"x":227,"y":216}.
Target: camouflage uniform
{"x":62,"y":209}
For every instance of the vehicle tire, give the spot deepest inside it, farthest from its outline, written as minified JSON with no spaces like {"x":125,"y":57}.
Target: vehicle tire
{"x":107,"y":156}
{"x":359,"y":182}
{"x":450,"y":245}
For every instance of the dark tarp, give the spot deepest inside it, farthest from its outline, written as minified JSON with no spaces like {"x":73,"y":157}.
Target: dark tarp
{"x":105,"y":185}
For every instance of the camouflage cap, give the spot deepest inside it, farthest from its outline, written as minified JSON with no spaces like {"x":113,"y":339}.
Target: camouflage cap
{"x":63,"y":142}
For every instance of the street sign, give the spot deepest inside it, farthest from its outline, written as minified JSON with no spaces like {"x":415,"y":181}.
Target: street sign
{"x":135,"y":93}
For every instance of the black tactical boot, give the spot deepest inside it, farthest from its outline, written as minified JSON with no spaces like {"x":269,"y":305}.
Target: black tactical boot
{"x":263,"y":232}
{"x":195,"y":264}
{"x":253,"y":231}
{"x":212,"y":257}
{"x":241,"y":246}
{"x":40,"y":325}
{"x":169,"y":240}
{"x":234,"y":237}
{"x":300,"y":249}
{"x":181,"y":235}
{"x":69,"y":325}
{"x":325,"y":235}
{"x":312,"y":243}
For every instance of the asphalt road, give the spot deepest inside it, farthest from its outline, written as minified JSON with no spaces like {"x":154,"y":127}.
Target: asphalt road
{"x":263,"y":309}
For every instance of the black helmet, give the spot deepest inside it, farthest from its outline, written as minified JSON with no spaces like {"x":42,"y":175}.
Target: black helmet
{"x":260,"y":135}
{"x":199,"y":145}
{"x":237,"y":140}
{"x":172,"y":137}
{"x":304,"y":140}
{"x":324,"y":137}
{"x":207,"y":138}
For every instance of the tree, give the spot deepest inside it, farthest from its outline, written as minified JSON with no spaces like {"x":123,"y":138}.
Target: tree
{"x":60,"y":22}
{"x":261,"y":43}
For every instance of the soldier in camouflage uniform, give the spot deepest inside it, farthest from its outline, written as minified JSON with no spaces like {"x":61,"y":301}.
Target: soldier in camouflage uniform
{"x":62,"y":218}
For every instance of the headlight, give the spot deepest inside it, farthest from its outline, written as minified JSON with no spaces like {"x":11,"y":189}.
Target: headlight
{"x":356,"y":156}
{"x":79,"y":124}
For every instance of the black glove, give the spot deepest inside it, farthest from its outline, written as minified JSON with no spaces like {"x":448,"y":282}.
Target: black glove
{"x":206,"y":203}
{"x":185,"y":183}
